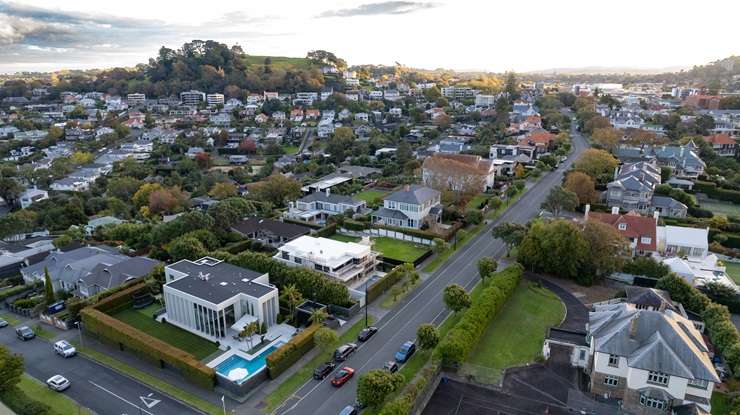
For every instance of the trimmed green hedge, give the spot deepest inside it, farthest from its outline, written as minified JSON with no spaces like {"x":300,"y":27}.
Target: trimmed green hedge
{"x":119,"y":299}
{"x":465,"y":335}
{"x":711,"y":190}
{"x":387,"y":281}
{"x":22,"y":404}
{"x":284,"y":357}
{"x":327,"y":230}
{"x":405,"y":401}
{"x":16,"y":290}
{"x":354,"y":225}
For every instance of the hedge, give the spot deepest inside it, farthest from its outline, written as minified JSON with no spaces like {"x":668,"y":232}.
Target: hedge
{"x":387,"y":281}
{"x":118,"y":299}
{"x":16,"y":290}
{"x":286,"y":355}
{"x":355,"y":225}
{"x":711,"y":190}
{"x":115,"y":331}
{"x":327,"y":230}
{"x":22,"y":404}
{"x":465,"y":335}
{"x":406,"y":400}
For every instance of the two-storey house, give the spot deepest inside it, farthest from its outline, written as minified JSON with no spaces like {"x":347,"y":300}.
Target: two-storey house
{"x":410,"y":207}
{"x":343,"y":261}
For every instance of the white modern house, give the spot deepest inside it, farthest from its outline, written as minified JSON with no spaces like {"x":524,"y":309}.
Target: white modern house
{"x":410,"y":207}
{"x":683,"y":241}
{"x":216,"y":300}
{"x":318,"y":206}
{"x":344,"y":261}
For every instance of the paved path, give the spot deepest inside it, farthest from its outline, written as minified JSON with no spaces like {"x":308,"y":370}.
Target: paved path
{"x":576,"y":312}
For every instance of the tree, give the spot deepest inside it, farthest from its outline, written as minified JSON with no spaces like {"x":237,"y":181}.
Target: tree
{"x":11,"y":369}
{"x":439,"y":245}
{"x":222,"y":190}
{"x":292,"y":297}
{"x":511,"y":233}
{"x":248,"y":331}
{"x":318,"y":316}
{"x":718,"y":292}
{"x":230,"y":211}
{"x":276,"y":189}
{"x":598,"y":164}
{"x":456,"y":298}
{"x":606,"y":249}
{"x":606,"y":138}
{"x":123,"y":188}
{"x":203,"y":160}
{"x":511,"y":86}
{"x":583,"y":186}
{"x":376,"y":384}
{"x":427,"y":336}
{"x":168,"y":200}
{"x":324,"y":338}
{"x":486,"y":267}
{"x":559,"y":199}
{"x":49,"y":297}
{"x":79,"y":158}
{"x":665,"y":173}
{"x":186,"y":247}
{"x":10,"y":189}
{"x":555,"y":247}
{"x":141,"y":197}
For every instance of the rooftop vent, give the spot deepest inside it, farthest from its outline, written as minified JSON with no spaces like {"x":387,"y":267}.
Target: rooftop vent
{"x":204,"y":277}
{"x":245,"y":280}
{"x":223,"y":283}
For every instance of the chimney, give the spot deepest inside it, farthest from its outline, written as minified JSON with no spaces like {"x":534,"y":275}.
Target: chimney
{"x":407,"y":188}
{"x":585,"y":211}
{"x":328,"y":191}
{"x":616,"y":172}
{"x":656,"y":215}
{"x":633,"y":326}
{"x":615,"y":210}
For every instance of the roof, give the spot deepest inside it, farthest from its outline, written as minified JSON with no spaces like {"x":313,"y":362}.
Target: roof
{"x":237,"y":280}
{"x":71,"y":266}
{"x":649,"y":297}
{"x":109,"y":276}
{"x":325,"y":251}
{"x":661,"y":341}
{"x":390,"y":213}
{"x":667,"y":202}
{"x":463,"y":162}
{"x":330,"y":198}
{"x":720,"y":139}
{"x":413,"y":194}
{"x":684,"y":236}
{"x":637,"y":227}
{"x":282,"y":229}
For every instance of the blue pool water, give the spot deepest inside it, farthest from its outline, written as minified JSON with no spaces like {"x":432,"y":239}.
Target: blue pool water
{"x":252,"y":366}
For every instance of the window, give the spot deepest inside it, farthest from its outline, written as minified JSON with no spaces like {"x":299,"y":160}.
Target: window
{"x":698,"y":383}
{"x":646,"y":240}
{"x":297,"y":260}
{"x":622,"y":226}
{"x":658,"y":378}
{"x":613,"y":360}
{"x":582,"y":355}
{"x":284,"y":255}
{"x":611,"y":381}
{"x":652,"y":402}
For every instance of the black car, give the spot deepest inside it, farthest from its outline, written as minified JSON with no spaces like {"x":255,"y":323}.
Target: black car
{"x":343,"y":352}
{"x":24,"y":333}
{"x":323,"y":371}
{"x":367,"y":333}
{"x":391,"y":366}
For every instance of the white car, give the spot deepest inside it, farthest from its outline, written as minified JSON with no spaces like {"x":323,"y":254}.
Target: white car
{"x":3,"y":323}
{"x":58,"y":383}
{"x":64,"y":349}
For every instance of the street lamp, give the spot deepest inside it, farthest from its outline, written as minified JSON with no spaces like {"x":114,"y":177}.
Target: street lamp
{"x":366,"y":303}
{"x":79,"y":329}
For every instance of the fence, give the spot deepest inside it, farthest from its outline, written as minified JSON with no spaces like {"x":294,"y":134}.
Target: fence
{"x":398,"y":235}
{"x":53,"y":321}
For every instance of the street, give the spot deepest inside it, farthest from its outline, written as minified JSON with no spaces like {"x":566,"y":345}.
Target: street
{"x":96,"y":387}
{"x":425,"y":304}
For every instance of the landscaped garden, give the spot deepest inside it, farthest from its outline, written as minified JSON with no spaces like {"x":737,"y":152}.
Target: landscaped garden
{"x":721,"y":208}
{"x":733,"y":271}
{"x":370,"y":196}
{"x":390,"y":248}
{"x":142,"y":320}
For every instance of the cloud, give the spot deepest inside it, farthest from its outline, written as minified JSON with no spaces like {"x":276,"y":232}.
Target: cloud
{"x":381,"y":8}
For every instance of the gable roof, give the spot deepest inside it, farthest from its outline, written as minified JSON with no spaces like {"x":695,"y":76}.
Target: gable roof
{"x":413,"y":194}
{"x":282,"y":229}
{"x":636,"y":227}
{"x":721,"y":139}
{"x":109,"y":276}
{"x":464,"y":163}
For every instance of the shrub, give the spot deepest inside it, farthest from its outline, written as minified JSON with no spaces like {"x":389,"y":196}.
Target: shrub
{"x":327,"y":230}
{"x":473,"y":216}
{"x":354,"y":225}
{"x":22,"y":404}
{"x":711,"y":190}
{"x":405,"y":401}
{"x":388,"y":280}
{"x":9,"y":292}
{"x":289,"y":353}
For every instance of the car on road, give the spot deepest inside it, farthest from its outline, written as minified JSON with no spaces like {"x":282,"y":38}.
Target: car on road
{"x":323,"y":371}
{"x":341,"y":377}
{"x":58,"y":383}
{"x":367,"y":333}
{"x":64,"y":349}
{"x":349,"y":410}
{"x":24,"y":333}
{"x":407,"y":350}
{"x":3,"y":323}
{"x":391,"y":366}
{"x":344,"y":351}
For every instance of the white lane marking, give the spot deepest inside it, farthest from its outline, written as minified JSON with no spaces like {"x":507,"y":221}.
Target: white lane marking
{"x":127,"y":401}
{"x":149,"y":401}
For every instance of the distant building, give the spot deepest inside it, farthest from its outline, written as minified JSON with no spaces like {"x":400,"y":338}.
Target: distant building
{"x":215,"y":99}
{"x":192,"y":97}
{"x":135,"y":99}
{"x":722,"y":144}
{"x":32,"y":196}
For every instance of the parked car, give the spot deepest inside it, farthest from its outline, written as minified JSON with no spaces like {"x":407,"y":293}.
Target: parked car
{"x":367,"y":333}
{"x":341,"y":377}
{"x":344,"y":351}
{"x":24,"y":333}
{"x":349,"y":410}
{"x":64,"y":349}
{"x":58,"y":383}
{"x":391,"y":366}
{"x":3,"y":323}
{"x":323,"y":371}
{"x":407,"y":350}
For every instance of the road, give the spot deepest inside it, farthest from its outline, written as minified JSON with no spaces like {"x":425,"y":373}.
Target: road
{"x":94,"y":386}
{"x":425,"y":304}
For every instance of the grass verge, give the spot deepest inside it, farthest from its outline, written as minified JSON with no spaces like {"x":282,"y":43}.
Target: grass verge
{"x":297,"y":379}
{"x":10,"y":319}
{"x":42,"y":332}
{"x":721,"y":404}
{"x":150,"y":380}
{"x":59,"y":403}
{"x":733,"y":271}
{"x":389,"y":301}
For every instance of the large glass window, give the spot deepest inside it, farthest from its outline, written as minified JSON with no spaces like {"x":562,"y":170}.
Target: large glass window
{"x":611,"y":380}
{"x":613,"y":360}
{"x":658,"y":378}
{"x":652,"y":402}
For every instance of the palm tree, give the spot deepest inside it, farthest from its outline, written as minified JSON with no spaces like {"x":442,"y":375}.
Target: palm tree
{"x":318,"y":316}
{"x":248,"y":331}
{"x":292,"y":297}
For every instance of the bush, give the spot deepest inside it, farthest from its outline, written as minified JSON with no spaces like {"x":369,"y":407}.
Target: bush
{"x":646,"y":266}
{"x":711,"y":190}
{"x":22,"y":404}
{"x":404,"y":403}
{"x":388,"y":280}
{"x":473,"y":216}
{"x":26,"y":303}
{"x":327,"y":230}
{"x":289,"y":353}
{"x":354,"y":225}
{"x":9,"y":292}
{"x":464,"y":336}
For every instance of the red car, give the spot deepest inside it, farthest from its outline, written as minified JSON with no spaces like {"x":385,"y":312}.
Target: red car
{"x":341,"y":377}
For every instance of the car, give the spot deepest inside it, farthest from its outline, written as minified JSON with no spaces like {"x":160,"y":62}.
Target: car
{"x":407,"y":350}
{"x":323,"y":371}
{"x":58,"y":383}
{"x":24,"y":333}
{"x":344,"y":351}
{"x":367,"y":333}
{"x":341,"y":377}
{"x":64,"y":349}
{"x":391,"y":366}
{"x":3,"y":323}
{"x":348,"y":410}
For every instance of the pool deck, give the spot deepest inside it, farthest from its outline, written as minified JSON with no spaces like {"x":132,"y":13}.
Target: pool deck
{"x":279,"y":333}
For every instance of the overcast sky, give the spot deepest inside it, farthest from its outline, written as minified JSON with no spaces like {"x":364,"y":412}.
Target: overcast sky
{"x":491,"y":35}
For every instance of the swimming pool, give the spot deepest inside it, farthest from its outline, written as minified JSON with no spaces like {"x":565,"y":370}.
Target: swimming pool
{"x":252,"y":366}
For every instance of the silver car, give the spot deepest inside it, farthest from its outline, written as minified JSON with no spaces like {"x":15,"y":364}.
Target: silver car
{"x":58,"y":383}
{"x":64,"y":349}
{"x":3,"y":323}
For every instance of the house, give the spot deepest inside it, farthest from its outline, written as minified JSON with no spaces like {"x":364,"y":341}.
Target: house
{"x":319,"y":206}
{"x":343,"y":261}
{"x":216,"y":300}
{"x":31,"y":196}
{"x":69,"y":184}
{"x":194,"y":151}
{"x":640,"y":231}
{"x":458,"y":172}
{"x":104,"y":276}
{"x":411,"y":207}
{"x":269,"y":231}
{"x":96,"y":223}
{"x":699,"y":271}
{"x":312,"y":114}
{"x":542,"y":140}
{"x":633,"y":186}
{"x":722,"y":144}
{"x":20,"y":254}
{"x":683,"y":241}
{"x":362,"y":117}
{"x":192,"y":97}
{"x":667,"y":207}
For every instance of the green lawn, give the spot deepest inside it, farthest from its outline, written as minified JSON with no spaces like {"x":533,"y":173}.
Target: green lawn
{"x":399,"y":250}
{"x":295,"y":381}
{"x":189,"y":342}
{"x":515,"y":336}
{"x":721,"y":404}
{"x":43,"y":331}
{"x":289,"y":149}
{"x":475,"y":202}
{"x":722,"y":208}
{"x":345,"y":238}
{"x":10,"y":319}
{"x":60,"y":404}
{"x":733,"y":271}
{"x":370,"y":196}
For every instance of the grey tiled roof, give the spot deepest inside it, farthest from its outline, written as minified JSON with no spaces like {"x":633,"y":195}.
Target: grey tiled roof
{"x":105,"y":276}
{"x":415,"y":195}
{"x":390,"y":213}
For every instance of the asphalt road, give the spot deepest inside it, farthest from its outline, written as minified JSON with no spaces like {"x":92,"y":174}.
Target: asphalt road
{"x":94,"y":386}
{"x":425,"y":304}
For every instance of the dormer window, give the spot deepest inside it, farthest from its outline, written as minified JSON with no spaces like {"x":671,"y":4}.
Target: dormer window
{"x":646,"y":240}
{"x":622,"y":227}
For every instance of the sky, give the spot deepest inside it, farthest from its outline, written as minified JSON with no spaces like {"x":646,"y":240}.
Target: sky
{"x":486,"y":35}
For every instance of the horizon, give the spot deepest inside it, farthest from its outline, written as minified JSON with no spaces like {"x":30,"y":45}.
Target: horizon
{"x":44,"y":36}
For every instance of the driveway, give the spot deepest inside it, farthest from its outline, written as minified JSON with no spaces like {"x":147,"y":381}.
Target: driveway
{"x":576,"y":313}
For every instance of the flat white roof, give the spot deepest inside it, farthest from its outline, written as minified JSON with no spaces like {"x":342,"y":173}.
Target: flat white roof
{"x":684,"y":236}
{"x":325,"y":251}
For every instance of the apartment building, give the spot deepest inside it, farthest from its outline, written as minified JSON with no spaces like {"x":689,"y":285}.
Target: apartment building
{"x":215,"y":99}
{"x":135,"y":99}
{"x":192,"y":97}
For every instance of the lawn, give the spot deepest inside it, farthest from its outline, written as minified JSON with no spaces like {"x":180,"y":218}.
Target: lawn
{"x":515,"y":336}
{"x":59,"y":403}
{"x":189,"y":342}
{"x":720,"y":404}
{"x":733,"y":271}
{"x":722,"y":208}
{"x":289,"y":149}
{"x":305,"y":373}
{"x":370,"y":196}
{"x":10,"y":319}
{"x":399,"y":250}
{"x":345,"y":238}
{"x":475,"y":202}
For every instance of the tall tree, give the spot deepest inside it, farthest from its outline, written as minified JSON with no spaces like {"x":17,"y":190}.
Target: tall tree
{"x":276,"y":189}
{"x":486,"y":267}
{"x":511,"y":233}
{"x":456,"y":298}
{"x":598,"y":164}
{"x":49,"y":297}
{"x":11,"y":369}
{"x":376,"y":384}
{"x":324,"y":338}
{"x":428,"y":336}
{"x":583,"y":186}
{"x":606,"y":250}
{"x":292,"y":297}
{"x":559,"y":199}
{"x":318,"y":316}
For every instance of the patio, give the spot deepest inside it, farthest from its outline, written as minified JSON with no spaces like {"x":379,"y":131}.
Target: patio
{"x":233,"y":344}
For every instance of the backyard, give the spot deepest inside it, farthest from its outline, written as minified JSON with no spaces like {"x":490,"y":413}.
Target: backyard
{"x":389,"y":247}
{"x":184,"y":340}
{"x":515,"y":336}
{"x":721,"y":208}
{"x":370,"y":196}
{"x":733,"y":271}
